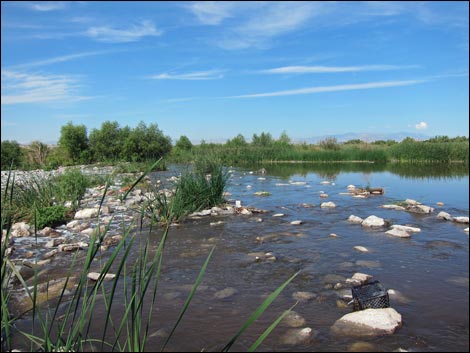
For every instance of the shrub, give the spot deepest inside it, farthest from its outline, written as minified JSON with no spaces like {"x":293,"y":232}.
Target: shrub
{"x":71,"y":186}
{"x":52,"y":216}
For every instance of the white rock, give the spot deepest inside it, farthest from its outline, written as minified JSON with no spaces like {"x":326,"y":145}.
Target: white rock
{"x":394,"y":207}
{"x":373,"y":221}
{"x":95,"y":275}
{"x":86,"y":213}
{"x":225,"y":293}
{"x":355,"y":219}
{"x":304,"y":296}
{"x":73,"y":224}
{"x":297,"y":182}
{"x":361,"y":248}
{"x":361,"y":277}
{"x":444,"y":215}
{"x":369,"y":322}
{"x":412,"y":202}
{"x":328,"y":205}
{"x":216,"y":223}
{"x":400,"y":233}
{"x":420,"y":209}
{"x":296,"y":337}
{"x":407,"y":228}
{"x":461,"y":219}
{"x":293,"y":319}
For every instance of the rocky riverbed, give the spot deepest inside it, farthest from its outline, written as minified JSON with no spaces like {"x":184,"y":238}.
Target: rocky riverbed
{"x":299,"y":222}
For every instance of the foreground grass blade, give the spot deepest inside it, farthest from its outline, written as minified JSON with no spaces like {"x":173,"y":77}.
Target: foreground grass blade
{"x":267,"y":332}
{"x":258,"y":312}
{"x":190,"y":297}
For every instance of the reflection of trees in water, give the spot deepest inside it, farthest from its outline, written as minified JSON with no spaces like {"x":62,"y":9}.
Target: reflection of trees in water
{"x":331,"y":171}
{"x":429,"y":170}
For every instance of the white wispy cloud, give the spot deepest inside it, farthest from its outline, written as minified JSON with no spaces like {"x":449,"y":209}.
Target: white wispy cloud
{"x":333,"y":69}
{"x":20,"y":87}
{"x":132,"y":33}
{"x":253,"y":23}
{"x":59,"y":59}
{"x":212,"y":12}
{"x":199,"y":75}
{"x":320,"y":89}
{"x":421,"y":125}
{"x":47,"y":5}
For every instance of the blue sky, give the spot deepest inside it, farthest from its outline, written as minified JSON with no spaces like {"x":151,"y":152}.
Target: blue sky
{"x":211,"y":70}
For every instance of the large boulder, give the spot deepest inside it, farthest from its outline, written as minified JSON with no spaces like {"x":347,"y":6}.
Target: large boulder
{"x":86,"y":213}
{"x":369,"y":322}
{"x":373,"y":221}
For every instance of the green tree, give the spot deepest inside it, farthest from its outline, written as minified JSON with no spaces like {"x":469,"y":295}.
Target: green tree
{"x":263,"y":140}
{"x":284,"y":139}
{"x":354,"y":142}
{"x":11,"y":155}
{"x":237,"y":141}
{"x":184,"y":144}
{"x":75,"y":141}
{"x":106,"y":143}
{"x":146,"y":143}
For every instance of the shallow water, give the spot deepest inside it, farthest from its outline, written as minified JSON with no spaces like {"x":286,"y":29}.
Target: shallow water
{"x":430,"y":270}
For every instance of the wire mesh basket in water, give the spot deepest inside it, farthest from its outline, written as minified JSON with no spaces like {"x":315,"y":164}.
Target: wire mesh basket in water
{"x":370,"y":296}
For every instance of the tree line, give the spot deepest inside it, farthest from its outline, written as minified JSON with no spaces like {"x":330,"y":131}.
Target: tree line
{"x":112,"y":143}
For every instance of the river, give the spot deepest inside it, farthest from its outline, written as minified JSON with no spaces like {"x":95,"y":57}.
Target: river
{"x":430,"y":270}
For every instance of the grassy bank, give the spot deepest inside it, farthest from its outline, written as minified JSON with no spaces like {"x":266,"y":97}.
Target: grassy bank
{"x":406,"y":151}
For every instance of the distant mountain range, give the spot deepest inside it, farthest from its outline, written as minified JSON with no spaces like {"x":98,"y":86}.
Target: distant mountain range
{"x":366,"y":137}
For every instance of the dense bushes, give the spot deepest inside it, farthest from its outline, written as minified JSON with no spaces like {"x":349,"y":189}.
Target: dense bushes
{"x":113,"y":144}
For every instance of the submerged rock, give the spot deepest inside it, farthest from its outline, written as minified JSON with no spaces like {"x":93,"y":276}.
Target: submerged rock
{"x":293,"y":319}
{"x":361,"y":248}
{"x":294,"y":337}
{"x":304,"y":296}
{"x":225,"y":293}
{"x":400,"y":233}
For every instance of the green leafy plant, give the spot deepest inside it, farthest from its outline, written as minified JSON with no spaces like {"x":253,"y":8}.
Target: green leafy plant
{"x":51,"y":216}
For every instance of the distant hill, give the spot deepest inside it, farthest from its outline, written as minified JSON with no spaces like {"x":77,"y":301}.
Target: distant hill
{"x":366,"y":137}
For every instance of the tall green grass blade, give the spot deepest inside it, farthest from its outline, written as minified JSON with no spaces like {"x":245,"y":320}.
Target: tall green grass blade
{"x":268,"y":331}
{"x":190,"y":297}
{"x":258,"y":312}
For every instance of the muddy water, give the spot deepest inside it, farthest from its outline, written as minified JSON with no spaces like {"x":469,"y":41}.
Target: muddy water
{"x":430,"y":270}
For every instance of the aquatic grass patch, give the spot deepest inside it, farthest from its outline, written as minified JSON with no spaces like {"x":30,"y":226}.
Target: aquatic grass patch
{"x":47,"y":196}
{"x":193,"y":191}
